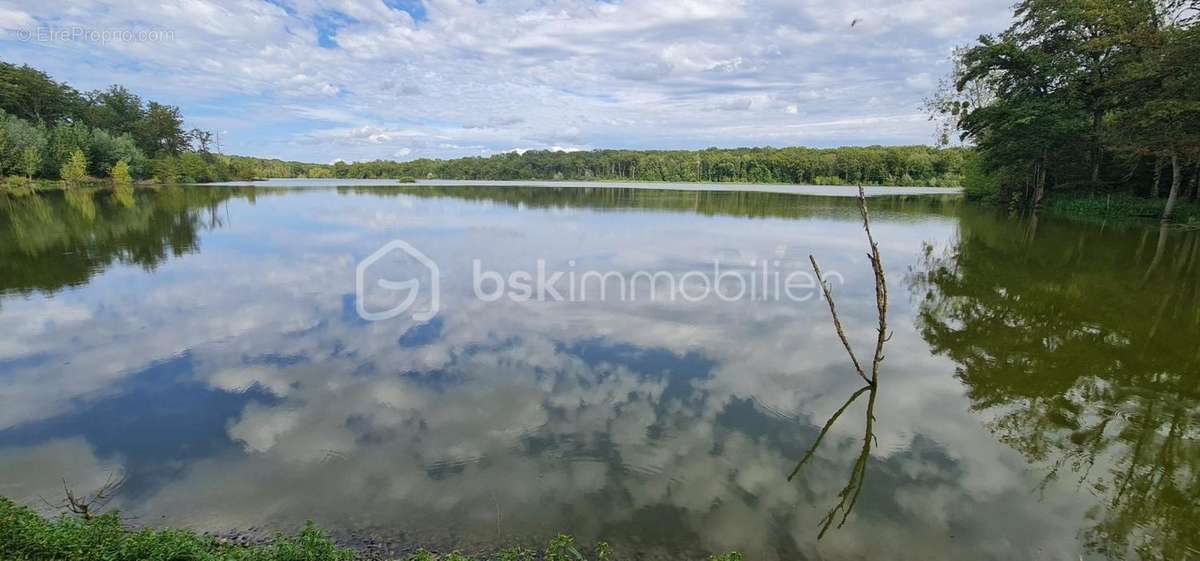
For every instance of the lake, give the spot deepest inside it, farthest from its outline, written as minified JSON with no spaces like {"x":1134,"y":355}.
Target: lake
{"x":1040,"y":396}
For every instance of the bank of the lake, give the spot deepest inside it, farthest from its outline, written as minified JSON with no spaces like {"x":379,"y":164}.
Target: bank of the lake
{"x":1118,"y":207}
{"x":25,"y":535}
{"x":779,"y":188}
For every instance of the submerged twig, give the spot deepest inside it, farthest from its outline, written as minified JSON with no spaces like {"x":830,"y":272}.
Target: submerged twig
{"x":87,"y":506}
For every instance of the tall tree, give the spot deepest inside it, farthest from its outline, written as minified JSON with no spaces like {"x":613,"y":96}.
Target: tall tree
{"x":116,"y":110}
{"x":1160,"y":116}
{"x":30,"y":94}
{"x":162,"y":130}
{"x":1079,"y":83}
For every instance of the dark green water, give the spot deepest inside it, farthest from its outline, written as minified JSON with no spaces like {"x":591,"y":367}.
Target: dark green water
{"x":1040,"y":398}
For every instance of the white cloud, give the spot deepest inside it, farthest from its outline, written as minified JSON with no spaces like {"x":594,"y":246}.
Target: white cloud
{"x":16,"y":20}
{"x":513,"y":74}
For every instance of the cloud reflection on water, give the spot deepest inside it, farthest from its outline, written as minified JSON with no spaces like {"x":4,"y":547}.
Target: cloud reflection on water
{"x":672,"y":424}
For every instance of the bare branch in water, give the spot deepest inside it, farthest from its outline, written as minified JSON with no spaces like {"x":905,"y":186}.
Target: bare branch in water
{"x":849,"y":494}
{"x":881,"y":293}
{"x":837,"y":322}
{"x":87,"y":506}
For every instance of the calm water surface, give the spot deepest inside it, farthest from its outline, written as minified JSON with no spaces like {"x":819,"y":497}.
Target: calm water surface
{"x":1040,"y":398}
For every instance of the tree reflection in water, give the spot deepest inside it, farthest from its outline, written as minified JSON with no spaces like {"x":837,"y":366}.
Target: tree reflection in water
{"x":1081,"y":348}
{"x":88,"y":230}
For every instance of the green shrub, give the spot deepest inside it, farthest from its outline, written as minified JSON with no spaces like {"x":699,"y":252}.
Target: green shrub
{"x":74,"y":171}
{"x":17,"y":183}
{"x":1116,"y":206}
{"x":978,"y":184}
{"x":27,"y":536}
{"x":120,"y":174}
{"x":828,"y":180}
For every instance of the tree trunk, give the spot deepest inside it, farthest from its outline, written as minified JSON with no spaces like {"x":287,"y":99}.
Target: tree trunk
{"x":1176,"y":179}
{"x":1039,"y":182}
{"x":1158,"y":165}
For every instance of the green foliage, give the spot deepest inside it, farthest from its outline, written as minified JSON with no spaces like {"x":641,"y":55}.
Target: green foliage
{"x":165,"y":169}
{"x":162,"y":130}
{"x":105,"y":150}
{"x":16,"y":186}
{"x":731,"y":556}
{"x":20,"y":137}
{"x":74,"y":171}
{"x":1117,"y":206}
{"x":120,"y":174}
{"x":978,"y":183}
{"x":27,"y":536}
{"x":562,"y":548}
{"x":1081,"y":96}
{"x":64,"y":141}
{"x":111,"y":125}
{"x":32,"y":95}
{"x":31,"y":160}
{"x":872,"y":165}
{"x":517,"y":554}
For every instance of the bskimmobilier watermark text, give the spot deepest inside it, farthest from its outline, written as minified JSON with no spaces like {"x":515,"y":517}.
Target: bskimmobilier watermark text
{"x":419,"y":295}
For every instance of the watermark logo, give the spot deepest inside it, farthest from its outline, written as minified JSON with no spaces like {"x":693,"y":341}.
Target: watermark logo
{"x":756,"y":280}
{"x":78,"y":33}
{"x":363,"y":291}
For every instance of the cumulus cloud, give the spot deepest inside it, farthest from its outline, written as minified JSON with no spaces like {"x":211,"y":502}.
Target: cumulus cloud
{"x":506,"y":74}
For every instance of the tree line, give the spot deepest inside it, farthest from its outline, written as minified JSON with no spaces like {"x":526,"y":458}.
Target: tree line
{"x":875,"y":165}
{"x":49,"y":130}
{"x":1081,"y":97}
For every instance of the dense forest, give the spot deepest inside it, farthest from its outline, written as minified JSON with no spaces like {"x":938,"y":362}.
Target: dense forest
{"x":48,"y":130}
{"x":875,"y":165}
{"x":1081,"y":98}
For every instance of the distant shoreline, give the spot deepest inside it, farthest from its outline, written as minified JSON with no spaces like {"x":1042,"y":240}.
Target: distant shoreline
{"x":815,"y":190}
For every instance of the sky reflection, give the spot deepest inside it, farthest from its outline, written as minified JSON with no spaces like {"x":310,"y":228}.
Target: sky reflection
{"x":237,"y":389}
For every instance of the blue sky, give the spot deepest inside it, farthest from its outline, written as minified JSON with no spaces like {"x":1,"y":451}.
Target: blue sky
{"x":319,"y":80}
